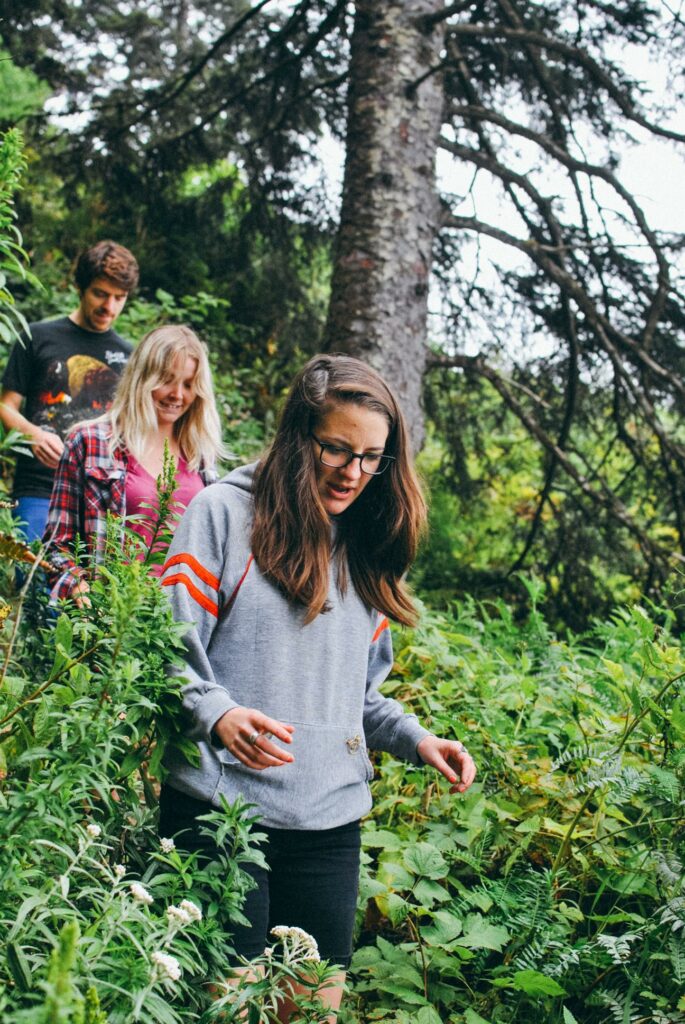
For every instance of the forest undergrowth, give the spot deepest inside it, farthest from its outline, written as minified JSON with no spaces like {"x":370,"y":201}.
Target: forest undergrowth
{"x":552,"y":890}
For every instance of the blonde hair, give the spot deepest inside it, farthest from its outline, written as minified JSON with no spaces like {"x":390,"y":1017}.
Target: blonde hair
{"x":132,"y":414}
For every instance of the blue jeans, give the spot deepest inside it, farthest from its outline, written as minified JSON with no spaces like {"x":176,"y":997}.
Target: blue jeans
{"x":32,"y":515}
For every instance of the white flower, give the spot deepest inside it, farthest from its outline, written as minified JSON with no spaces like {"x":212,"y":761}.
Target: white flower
{"x":166,"y":967}
{"x":94,"y":831}
{"x":119,"y":871}
{"x":167,"y":845}
{"x":192,"y":910}
{"x":178,"y":916}
{"x":297,"y":943}
{"x":140,"y":893}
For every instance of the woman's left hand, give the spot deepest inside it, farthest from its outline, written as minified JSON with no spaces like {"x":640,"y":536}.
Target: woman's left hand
{"x":452,"y":760}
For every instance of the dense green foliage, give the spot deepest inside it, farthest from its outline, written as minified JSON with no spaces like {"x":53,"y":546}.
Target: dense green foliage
{"x":100,"y":919}
{"x":554,"y":888}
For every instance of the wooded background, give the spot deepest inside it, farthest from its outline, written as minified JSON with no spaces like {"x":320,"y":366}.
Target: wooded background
{"x":547,"y":383}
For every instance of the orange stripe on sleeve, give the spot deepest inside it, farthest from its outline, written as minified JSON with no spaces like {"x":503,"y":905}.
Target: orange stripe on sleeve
{"x":383,"y":624}
{"x":204,"y":602}
{"x":229,"y":603}
{"x":184,"y":558}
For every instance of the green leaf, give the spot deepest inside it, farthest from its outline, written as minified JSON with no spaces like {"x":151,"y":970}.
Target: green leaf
{"x":443,"y":929}
{"x":42,"y":726}
{"x":428,"y":1015}
{"x":533,"y":983}
{"x":615,"y":671}
{"x":382,"y":839}
{"x":423,"y":859}
{"x":19,"y":967}
{"x":471,"y":1017}
{"x":427,"y":892}
{"x":479,"y":934}
{"x":395,"y":907}
{"x":568,"y":1017}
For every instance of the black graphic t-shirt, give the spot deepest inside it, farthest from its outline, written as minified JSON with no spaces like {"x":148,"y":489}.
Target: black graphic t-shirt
{"x":67,"y":375}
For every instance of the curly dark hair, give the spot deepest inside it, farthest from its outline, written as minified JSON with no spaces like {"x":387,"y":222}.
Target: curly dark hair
{"x":107,"y":259}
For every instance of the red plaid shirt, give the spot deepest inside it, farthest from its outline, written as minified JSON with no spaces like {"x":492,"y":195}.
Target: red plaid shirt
{"x":90,"y":483}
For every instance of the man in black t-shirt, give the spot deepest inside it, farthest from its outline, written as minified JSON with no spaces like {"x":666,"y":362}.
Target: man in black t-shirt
{"x":66,"y":372}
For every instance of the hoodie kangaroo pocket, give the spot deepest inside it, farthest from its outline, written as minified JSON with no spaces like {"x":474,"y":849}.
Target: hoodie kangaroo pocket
{"x":325,"y":784}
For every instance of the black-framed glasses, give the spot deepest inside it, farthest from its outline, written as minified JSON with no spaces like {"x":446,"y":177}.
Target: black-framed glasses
{"x":335,"y":457}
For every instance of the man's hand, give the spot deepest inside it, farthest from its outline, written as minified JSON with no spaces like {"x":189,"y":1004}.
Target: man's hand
{"x":47,"y":447}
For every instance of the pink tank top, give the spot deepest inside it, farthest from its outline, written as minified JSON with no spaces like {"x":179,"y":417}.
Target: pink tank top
{"x":141,"y":493}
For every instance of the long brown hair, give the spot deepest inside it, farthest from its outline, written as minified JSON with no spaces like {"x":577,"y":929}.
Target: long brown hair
{"x":377,"y":535}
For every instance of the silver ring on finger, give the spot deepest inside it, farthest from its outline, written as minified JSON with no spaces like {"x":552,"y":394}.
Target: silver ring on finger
{"x":252,"y":739}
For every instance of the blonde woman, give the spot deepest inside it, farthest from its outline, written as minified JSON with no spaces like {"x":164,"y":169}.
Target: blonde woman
{"x":110,"y":465}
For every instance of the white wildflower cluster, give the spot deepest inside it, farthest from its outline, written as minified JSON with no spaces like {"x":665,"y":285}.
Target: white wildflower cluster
{"x":185,"y":914}
{"x":94,"y":831}
{"x":167,"y":845}
{"x":140,"y":893}
{"x":297,"y":944}
{"x":119,"y":871}
{"x":165,"y":967}
{"x":192,"y":910}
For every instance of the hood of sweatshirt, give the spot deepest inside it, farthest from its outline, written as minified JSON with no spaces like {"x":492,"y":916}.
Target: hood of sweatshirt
{"x":241,"y":477}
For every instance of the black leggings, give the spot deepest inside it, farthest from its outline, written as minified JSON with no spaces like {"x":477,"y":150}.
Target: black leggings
{"x":311,"y":882}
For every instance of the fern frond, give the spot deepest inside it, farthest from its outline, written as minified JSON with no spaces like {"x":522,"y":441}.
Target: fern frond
{"x":666,"y":784}
{"x":673,"y":913}
{"x":534,"y":954}
{"x":669,"y":867}
{"x":626,"y":784}
{"x":618,"y":946}
{"x":580,"y":752}
{"x":619,"y":1005}
{"x":568,"y":959}
{"x":676,"y":948}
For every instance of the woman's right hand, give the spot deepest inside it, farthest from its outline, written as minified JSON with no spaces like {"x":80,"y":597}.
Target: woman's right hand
{"x":80,"y":594}
{"x":247,"y":733}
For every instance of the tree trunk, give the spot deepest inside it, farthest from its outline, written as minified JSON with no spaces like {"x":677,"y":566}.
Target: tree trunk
{"x":389,"y":214}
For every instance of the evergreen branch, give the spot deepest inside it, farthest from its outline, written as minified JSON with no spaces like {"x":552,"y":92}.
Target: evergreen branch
{"x":605,"y":498}
{"x":574,"y":53}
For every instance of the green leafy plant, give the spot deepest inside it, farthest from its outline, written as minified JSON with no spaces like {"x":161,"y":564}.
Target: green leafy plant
{"x":13,"y":258}
{"x":554,"y":888}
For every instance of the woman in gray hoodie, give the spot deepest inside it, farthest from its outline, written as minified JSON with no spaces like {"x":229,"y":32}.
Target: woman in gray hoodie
{"x":289,"y":571}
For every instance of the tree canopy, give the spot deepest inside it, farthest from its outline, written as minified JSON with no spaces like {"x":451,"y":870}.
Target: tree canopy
{"x":190,"y":131}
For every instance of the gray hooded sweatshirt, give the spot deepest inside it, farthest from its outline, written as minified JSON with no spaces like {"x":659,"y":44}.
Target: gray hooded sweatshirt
{"x":248,"y":646}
